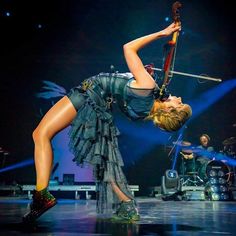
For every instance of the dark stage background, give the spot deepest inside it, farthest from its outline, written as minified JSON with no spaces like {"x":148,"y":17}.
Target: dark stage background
{"x":68,"y":41}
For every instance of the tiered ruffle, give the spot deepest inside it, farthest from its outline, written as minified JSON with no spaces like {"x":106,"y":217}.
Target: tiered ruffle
{"x":93,"y":139}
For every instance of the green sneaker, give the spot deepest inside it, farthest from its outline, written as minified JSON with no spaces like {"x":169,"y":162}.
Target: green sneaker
{"x":42,"y":201}
{"x":127,"y":212}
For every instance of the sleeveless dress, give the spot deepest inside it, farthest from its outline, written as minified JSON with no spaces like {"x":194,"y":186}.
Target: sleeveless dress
{"x":93,"y":134}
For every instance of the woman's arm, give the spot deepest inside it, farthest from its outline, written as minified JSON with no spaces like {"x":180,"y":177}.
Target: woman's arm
{"x":136,"y":67}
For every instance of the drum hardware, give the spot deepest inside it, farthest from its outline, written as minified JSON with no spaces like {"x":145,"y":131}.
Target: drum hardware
{"x":229,"y":149}
{"x":188,"y":161}
{"x":193,"y":180}
{"x":229,"y":141}
{"x":229,"y":146}
{"x":179,"y":144}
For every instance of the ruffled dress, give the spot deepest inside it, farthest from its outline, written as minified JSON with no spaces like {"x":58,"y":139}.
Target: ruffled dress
{"x":93,"y":134}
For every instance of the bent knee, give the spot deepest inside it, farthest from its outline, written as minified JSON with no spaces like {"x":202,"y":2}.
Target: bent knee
{"x":40,"y":133}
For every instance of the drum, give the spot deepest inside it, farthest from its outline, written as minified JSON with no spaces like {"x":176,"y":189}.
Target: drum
{"x":217,"y":170}
{"x":187,"y":167}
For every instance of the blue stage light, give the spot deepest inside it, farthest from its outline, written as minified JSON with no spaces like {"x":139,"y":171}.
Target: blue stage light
{"x":172,"y":174}
{"x":211,"y":96}
{"x":17,"y":165}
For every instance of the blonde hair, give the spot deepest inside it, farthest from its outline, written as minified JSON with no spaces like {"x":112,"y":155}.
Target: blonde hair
{"x":171,"y":119}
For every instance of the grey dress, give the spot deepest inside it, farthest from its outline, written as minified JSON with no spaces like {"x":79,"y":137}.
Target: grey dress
{"x":93,"y":134}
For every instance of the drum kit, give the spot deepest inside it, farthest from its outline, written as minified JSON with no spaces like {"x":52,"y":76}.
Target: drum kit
{"x":195,"y":173}
{"x":189,"y":168}
{"x":230,"y":147}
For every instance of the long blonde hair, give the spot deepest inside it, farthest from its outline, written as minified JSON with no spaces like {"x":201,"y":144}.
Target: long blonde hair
{"x":171,"y":119}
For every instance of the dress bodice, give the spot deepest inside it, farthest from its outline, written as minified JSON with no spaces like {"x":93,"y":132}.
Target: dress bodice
{"x":135,"y":103}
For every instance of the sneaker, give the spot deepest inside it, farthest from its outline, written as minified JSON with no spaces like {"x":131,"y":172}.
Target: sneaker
{"x":127,"y":212}
{"x":42,"y":201}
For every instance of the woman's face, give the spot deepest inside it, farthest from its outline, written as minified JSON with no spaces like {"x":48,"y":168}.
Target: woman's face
{"x":174,"y":102}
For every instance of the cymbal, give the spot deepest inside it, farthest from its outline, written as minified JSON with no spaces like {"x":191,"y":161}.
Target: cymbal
{"x":187,"y":151}
{"x":190,"y":150}
{"x":182,"y":143}
{"x":229,"y":141}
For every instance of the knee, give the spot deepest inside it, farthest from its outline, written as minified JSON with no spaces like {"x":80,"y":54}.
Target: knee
{"x":39,"y":134}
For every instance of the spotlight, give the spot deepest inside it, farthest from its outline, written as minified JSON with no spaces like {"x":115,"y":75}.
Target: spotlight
{"x":170,"y":182}
{"x":8,"y":13}
{"x":214,"y":189}
{"x":223,"y":188}
{"x":212,"y":173}
{"x":224,"y":196}
{"x":220,"y":173}
{"x":213,"y":181}
{"x":217,"y":189}
{"x":167,"y":19}
{"x":222,"y":181}
{"x":172,"y":174}
{"x":215,"y":197}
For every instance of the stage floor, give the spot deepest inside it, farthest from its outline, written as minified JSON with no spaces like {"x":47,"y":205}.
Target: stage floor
{"x":78,"y":217}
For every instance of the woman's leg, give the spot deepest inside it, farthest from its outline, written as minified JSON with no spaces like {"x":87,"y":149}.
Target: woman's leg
{"x":127,"y":209}
{"x":121,"y":196}
{"x":56,"y":119}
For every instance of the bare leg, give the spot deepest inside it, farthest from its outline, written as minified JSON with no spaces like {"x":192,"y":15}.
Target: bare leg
{"x":56,"y":119}
{"x":122,"y":197}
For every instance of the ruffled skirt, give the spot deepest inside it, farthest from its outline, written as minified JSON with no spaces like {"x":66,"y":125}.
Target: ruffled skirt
{"x":93,"y":139}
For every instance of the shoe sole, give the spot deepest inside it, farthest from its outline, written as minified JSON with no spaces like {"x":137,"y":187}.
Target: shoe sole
{"x":32,"y":216}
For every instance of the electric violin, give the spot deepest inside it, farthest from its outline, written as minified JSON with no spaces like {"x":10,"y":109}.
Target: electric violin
{"x":169,"y":55}
{"x":167,"y":69}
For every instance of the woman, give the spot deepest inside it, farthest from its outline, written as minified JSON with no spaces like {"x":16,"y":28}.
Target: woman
{"x":93,"y":135}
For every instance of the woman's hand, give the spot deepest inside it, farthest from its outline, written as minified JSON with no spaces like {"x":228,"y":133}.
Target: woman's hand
{"x":170,"y":29}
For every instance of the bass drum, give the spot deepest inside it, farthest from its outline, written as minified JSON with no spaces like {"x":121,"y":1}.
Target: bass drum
{"x":217,"y":170}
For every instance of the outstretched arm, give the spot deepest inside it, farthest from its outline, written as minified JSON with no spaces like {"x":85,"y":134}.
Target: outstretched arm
{"x":136,"y":67}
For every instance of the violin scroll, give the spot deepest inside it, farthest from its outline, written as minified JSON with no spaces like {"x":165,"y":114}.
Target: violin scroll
{"x":175,"y":12}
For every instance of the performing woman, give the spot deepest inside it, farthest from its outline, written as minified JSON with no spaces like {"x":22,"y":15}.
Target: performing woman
{"x":93,"y":135}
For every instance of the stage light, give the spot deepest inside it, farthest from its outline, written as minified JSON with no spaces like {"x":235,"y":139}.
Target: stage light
{"x":215,"y":197}
{"x":220,"y":173}
{"x":170,"y":182}
{"x":216,"y":188}
{"x":223,"y":188}
{"x":172,"y":174}
{"x":18,"y":165}
{"x":213,"y":181}
{"x":212,"y":173}
{"x":224,"y":196}
{"x":167,"y":19}
{"x":8,"y":13}
{"x":222,"y":181}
